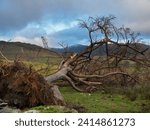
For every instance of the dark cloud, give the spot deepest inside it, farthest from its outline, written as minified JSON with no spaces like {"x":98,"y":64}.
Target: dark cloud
{"x":21,"y":12}
{"x":17,"y":15}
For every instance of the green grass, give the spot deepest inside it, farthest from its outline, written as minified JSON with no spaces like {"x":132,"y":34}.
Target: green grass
{"x":101,"y":102}
{"x":53,"y":109}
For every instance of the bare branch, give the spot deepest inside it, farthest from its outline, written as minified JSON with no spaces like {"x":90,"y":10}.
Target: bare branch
{"x":72,"y":83}
{"x":4,"y":56}
{"x":103,"y":76}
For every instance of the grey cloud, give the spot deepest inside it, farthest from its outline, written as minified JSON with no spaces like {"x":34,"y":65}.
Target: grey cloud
{"x":17,"y":14}
{"x":134,"y":14}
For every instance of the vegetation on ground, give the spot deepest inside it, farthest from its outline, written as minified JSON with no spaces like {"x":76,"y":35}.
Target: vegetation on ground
{"x":102,"y":101}
{"x":107,"y":99}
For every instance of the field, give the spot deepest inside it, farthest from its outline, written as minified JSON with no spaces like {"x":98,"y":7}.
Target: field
{"x":102,"y":102}
{"x":107,"y":99}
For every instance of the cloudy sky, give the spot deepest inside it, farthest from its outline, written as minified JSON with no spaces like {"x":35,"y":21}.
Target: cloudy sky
{"x":28,"y":20}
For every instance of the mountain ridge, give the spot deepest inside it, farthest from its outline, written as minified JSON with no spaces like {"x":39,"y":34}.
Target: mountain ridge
{"x":14,"y":48}
{"x":100,"y":51}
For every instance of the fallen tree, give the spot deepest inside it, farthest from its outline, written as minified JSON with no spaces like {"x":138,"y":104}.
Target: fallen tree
{"x":23,"y":87}
{"x":121,"y":46}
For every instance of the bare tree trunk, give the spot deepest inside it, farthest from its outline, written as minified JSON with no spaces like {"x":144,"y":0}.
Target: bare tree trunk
{"x":58,"y":75}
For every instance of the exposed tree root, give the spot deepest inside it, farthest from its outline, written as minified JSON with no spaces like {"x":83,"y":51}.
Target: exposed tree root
{"x":24,"y":87}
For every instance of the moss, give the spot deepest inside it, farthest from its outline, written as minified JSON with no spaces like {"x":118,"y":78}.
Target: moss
{"x":54,"y":109}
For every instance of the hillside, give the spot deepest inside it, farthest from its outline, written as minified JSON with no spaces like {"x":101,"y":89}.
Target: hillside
{"x":79,"y":48}
{"x":100,"y":51}
{"x":26,"y":52}
{"x":32,"y":52}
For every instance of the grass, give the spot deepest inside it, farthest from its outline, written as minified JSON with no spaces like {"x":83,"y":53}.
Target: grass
{"x":42,"y":68}
{"x":28,"y":52}
{"x":53,"y":109}
{"x":103,"y":103}
{"x":110,"y":100}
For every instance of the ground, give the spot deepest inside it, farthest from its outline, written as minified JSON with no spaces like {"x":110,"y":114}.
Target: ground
{"x":105,"y":100}
{"x":102,"y":102}
{"x":98,"y":102}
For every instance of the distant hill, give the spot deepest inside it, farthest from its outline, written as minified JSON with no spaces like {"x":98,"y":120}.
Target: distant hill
{"x":26,"y":51}
{"x":100,"y":51}
{"x":80,"y":48}
{"x":74,"y":48}
{"x":32,"y":52}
